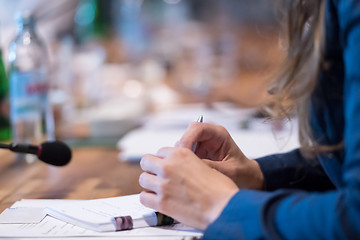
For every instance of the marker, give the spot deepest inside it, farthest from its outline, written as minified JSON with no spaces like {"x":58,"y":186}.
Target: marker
{"x":200,"y":119}
{"x":128,"y":223}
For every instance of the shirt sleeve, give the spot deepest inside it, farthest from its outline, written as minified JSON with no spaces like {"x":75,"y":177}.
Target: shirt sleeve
{"x":292,"y":170}
{"x":287,"y":214}
{"x":296,"y":214}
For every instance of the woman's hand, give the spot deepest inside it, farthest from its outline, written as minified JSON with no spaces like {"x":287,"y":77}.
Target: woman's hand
{"x":182,"y":186}
{"x":216,"y":147}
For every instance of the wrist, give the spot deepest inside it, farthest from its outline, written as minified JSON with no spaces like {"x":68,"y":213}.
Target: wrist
{"x":219,"y":205}
{"x":258,"y":176}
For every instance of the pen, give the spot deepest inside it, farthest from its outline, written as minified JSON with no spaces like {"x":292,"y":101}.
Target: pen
{"x":200,"y":119}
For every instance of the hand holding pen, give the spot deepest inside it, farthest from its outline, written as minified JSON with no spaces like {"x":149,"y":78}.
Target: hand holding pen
{"x":166,"y":220}
{"x":180,"y":184}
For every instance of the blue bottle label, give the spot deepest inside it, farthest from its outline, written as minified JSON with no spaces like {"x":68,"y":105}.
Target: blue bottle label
{"x":27,"y":95}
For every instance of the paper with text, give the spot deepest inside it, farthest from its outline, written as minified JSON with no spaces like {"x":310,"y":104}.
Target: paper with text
{"x":51,"y":227}
{"x":99,"y":214}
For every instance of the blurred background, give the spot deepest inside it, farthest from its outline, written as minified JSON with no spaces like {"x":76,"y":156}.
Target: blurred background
{"x":112,"y":63}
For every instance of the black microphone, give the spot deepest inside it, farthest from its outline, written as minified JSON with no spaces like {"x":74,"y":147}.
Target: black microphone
{"x":55,"y":153}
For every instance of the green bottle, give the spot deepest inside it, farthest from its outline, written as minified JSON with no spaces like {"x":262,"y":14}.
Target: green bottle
{"x":92,"y":20}
{"x":5,"y":129}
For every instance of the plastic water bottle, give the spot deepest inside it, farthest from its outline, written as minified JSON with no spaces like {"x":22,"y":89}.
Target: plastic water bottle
{"x":30,"y":111}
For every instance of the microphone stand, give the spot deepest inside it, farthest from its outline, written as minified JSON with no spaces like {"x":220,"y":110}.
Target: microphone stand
{"x":21,"y":148}
{"x":5,"y":146}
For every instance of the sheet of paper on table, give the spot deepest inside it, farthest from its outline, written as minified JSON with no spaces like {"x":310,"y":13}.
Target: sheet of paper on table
{"x":255,"y":136}
{"x":26,"y":219}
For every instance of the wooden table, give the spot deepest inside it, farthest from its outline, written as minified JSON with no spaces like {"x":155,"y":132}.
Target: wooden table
{"x":94,"y":172}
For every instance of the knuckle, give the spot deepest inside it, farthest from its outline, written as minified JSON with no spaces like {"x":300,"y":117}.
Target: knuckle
{"x":167,"y":170}
{"x":196,"y":128}
{"x":142,"y":199}
{"x":220,"y":128}
{"x":143,"y":161}
{"x":145,"y":200}
{"x":164,"y":188}
{"x":142,"y":179}
{"x":180,"y":152}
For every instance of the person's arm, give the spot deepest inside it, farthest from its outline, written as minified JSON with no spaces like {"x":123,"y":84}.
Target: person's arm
{"x":292,"y":170}
{"x":294,"y":214}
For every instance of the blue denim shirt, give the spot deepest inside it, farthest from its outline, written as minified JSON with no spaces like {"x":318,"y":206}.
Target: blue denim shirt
{"x":304,"y":199}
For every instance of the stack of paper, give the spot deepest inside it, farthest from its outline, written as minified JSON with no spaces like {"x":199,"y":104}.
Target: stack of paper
{"x":76,"y":218}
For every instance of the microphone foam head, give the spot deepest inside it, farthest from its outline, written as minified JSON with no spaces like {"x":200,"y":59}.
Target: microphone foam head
{"x":55,"y":153}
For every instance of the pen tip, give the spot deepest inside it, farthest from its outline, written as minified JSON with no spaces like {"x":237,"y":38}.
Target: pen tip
{"x":201,"y":118}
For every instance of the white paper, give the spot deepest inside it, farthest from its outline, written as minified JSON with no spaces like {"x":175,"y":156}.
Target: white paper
{"x":41,"y":203}
{"x":51,"y":227}
{"x":254,"y":136}
{"x":22,"y":215}
{"x":29,"y":210}
{"x":225,"y":114}
{"x":94,"y":213}
{"x":165,"y":128}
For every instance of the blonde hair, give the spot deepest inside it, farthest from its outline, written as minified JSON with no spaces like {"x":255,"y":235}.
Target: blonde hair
{"x":297,"y":77}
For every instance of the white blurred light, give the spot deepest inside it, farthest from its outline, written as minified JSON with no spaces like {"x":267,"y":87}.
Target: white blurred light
{"x":132,"y":89}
